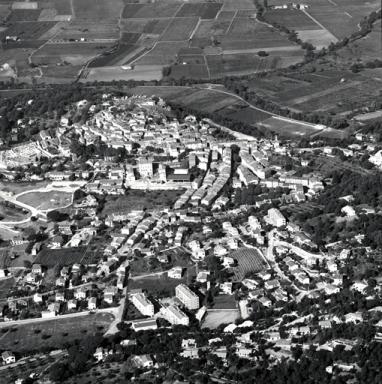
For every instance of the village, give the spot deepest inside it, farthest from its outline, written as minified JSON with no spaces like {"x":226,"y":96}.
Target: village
{"x":208,"y":255}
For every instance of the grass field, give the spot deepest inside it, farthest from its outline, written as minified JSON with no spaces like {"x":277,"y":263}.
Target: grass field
{"x":249,"y":260}
{"x":46,"y":201}
{"x":53,"y":333}
{"x":135,"y":199}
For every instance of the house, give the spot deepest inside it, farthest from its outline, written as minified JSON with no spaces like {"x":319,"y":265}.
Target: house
{"x":80,"y":293}
{"x":37,"y":298}
{"x":8,"y":357}
{"x":37,"y":269}
{"x":226,"y":287}
{"x":61,"y":282}
{"x":175,"y":273}
{"x":60,"y":296}
{"x":143,"y":325}
{"x":142,"y":361}
{"x":272,"y":284}
{"x":102,"y":353}
{"x":72,"y":304}
{"x":92,"y":303}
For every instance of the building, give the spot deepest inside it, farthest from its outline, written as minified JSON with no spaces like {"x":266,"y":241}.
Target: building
{"x":145,"y":167}
{"x":142,"y":304}
{"x":144,"y":325}
{"x":174,"y":315}
{"x":276,"y":218}
{"x":187,"y":297}
{"x":8,"y":357}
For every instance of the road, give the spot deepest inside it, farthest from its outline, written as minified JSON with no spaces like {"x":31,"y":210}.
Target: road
{"x":148,"y":275}
{"x":7,"y":324}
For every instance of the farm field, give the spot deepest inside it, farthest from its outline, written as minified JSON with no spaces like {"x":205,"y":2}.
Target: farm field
{"x":54,"y":333}
{"x":158,"y":285}
{"x":97,"y":9}
{"x":366,"y":49}
{"x":215,"y":318}
{"x":68,"y":256}
{"x":249,"y":260}
{"x":134,"y":199}
{"x":140,"y":72}
{"x":9,"y":212}
{"x":5,"y":285}
{"x":46,"y":201}
{"x":151,"y":35}
{"x":27,"y":30}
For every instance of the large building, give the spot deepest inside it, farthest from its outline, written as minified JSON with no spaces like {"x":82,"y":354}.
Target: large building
{"x":276,"y":218}
{"x":142,"y":304}
{"x":174,"y":315}
{"x":187,"y":297}
{"x":145,"y":167}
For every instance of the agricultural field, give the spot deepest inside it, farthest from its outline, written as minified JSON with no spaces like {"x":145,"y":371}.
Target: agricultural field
{"x":366,"y":49}
{"x":5,"y":286}
{"x":72,"y":53}
{"x":53,"y":333}
{"x":46,"y":201}
{"x":105,"y":10}
{"x":158,"y":285}
{"x":68,"y":256}
{"x":10,"y":212}
{"x":134,"y":199}
{"x":248,"y":260}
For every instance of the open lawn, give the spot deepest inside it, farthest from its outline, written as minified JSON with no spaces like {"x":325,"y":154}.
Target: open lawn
{"x":136,"y":199}
{"x":46,"y":201}
{"x":216,"y":318}
{"x":16,"y":188}
{"x":52,"y":334}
